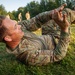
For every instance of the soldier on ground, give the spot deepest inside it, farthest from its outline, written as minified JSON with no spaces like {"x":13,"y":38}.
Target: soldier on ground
{"x":30,"y":48}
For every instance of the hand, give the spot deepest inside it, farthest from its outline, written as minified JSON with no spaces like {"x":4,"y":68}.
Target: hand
{"x":60,"y":19}
{"x":61,"y":7}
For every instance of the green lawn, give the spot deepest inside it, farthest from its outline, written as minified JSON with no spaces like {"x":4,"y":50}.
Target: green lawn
{"x":10,"y":66}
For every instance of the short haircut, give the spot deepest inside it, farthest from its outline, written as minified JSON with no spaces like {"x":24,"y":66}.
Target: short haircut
{"x":2,"y":28}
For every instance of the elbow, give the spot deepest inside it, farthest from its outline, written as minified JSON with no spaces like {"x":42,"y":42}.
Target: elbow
{"x":59,"y":57}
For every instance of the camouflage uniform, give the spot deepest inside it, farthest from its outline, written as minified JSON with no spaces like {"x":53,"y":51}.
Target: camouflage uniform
{"x":53,"y":29}
{"x":40,"y":50}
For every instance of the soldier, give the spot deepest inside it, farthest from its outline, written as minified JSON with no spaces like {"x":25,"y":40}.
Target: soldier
{"x":8,"y":16}
{"x":20,"y":17}
{"x":29,"y":48}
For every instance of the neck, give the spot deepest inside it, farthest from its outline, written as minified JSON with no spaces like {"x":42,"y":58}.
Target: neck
{"x":13,"y":44}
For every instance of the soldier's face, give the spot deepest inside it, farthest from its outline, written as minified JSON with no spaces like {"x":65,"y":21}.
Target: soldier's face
{"x":13,"y":29}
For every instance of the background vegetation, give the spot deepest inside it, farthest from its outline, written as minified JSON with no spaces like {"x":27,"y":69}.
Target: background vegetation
{"x":10,"y":66}
{"x":35,"y":7}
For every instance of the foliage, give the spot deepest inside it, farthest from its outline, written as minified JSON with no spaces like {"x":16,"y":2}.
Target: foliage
{"x":35,"y":7}
{"x":2,"y":10}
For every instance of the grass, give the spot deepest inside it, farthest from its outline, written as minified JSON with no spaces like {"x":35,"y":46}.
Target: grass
{"x":10,"y":66}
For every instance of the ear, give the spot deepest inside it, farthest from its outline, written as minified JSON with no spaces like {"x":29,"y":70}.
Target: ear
{"x":7,"y":38}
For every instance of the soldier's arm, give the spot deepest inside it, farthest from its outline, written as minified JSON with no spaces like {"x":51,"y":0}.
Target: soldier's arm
{"x":36,"y":22}
{"x":61,"y":48}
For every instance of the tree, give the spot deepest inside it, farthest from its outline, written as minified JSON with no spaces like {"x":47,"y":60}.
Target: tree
{"x":2,"y":10}
{"x":70,"y":3}
{"x":33,"y":8}
{"x":50,"y":5}
{"x":43,"y":5}
{"x":73,"y":4}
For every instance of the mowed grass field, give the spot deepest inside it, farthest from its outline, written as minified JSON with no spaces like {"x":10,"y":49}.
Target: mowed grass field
{"x":10,"y":66}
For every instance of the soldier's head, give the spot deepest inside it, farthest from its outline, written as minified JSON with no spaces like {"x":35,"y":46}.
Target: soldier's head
{"x":9,"y":30}
{"x":2,"y":28}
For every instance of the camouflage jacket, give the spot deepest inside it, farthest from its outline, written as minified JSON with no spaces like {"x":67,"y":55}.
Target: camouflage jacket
{"x":52,"y":28}
{"x":40,"y":50}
